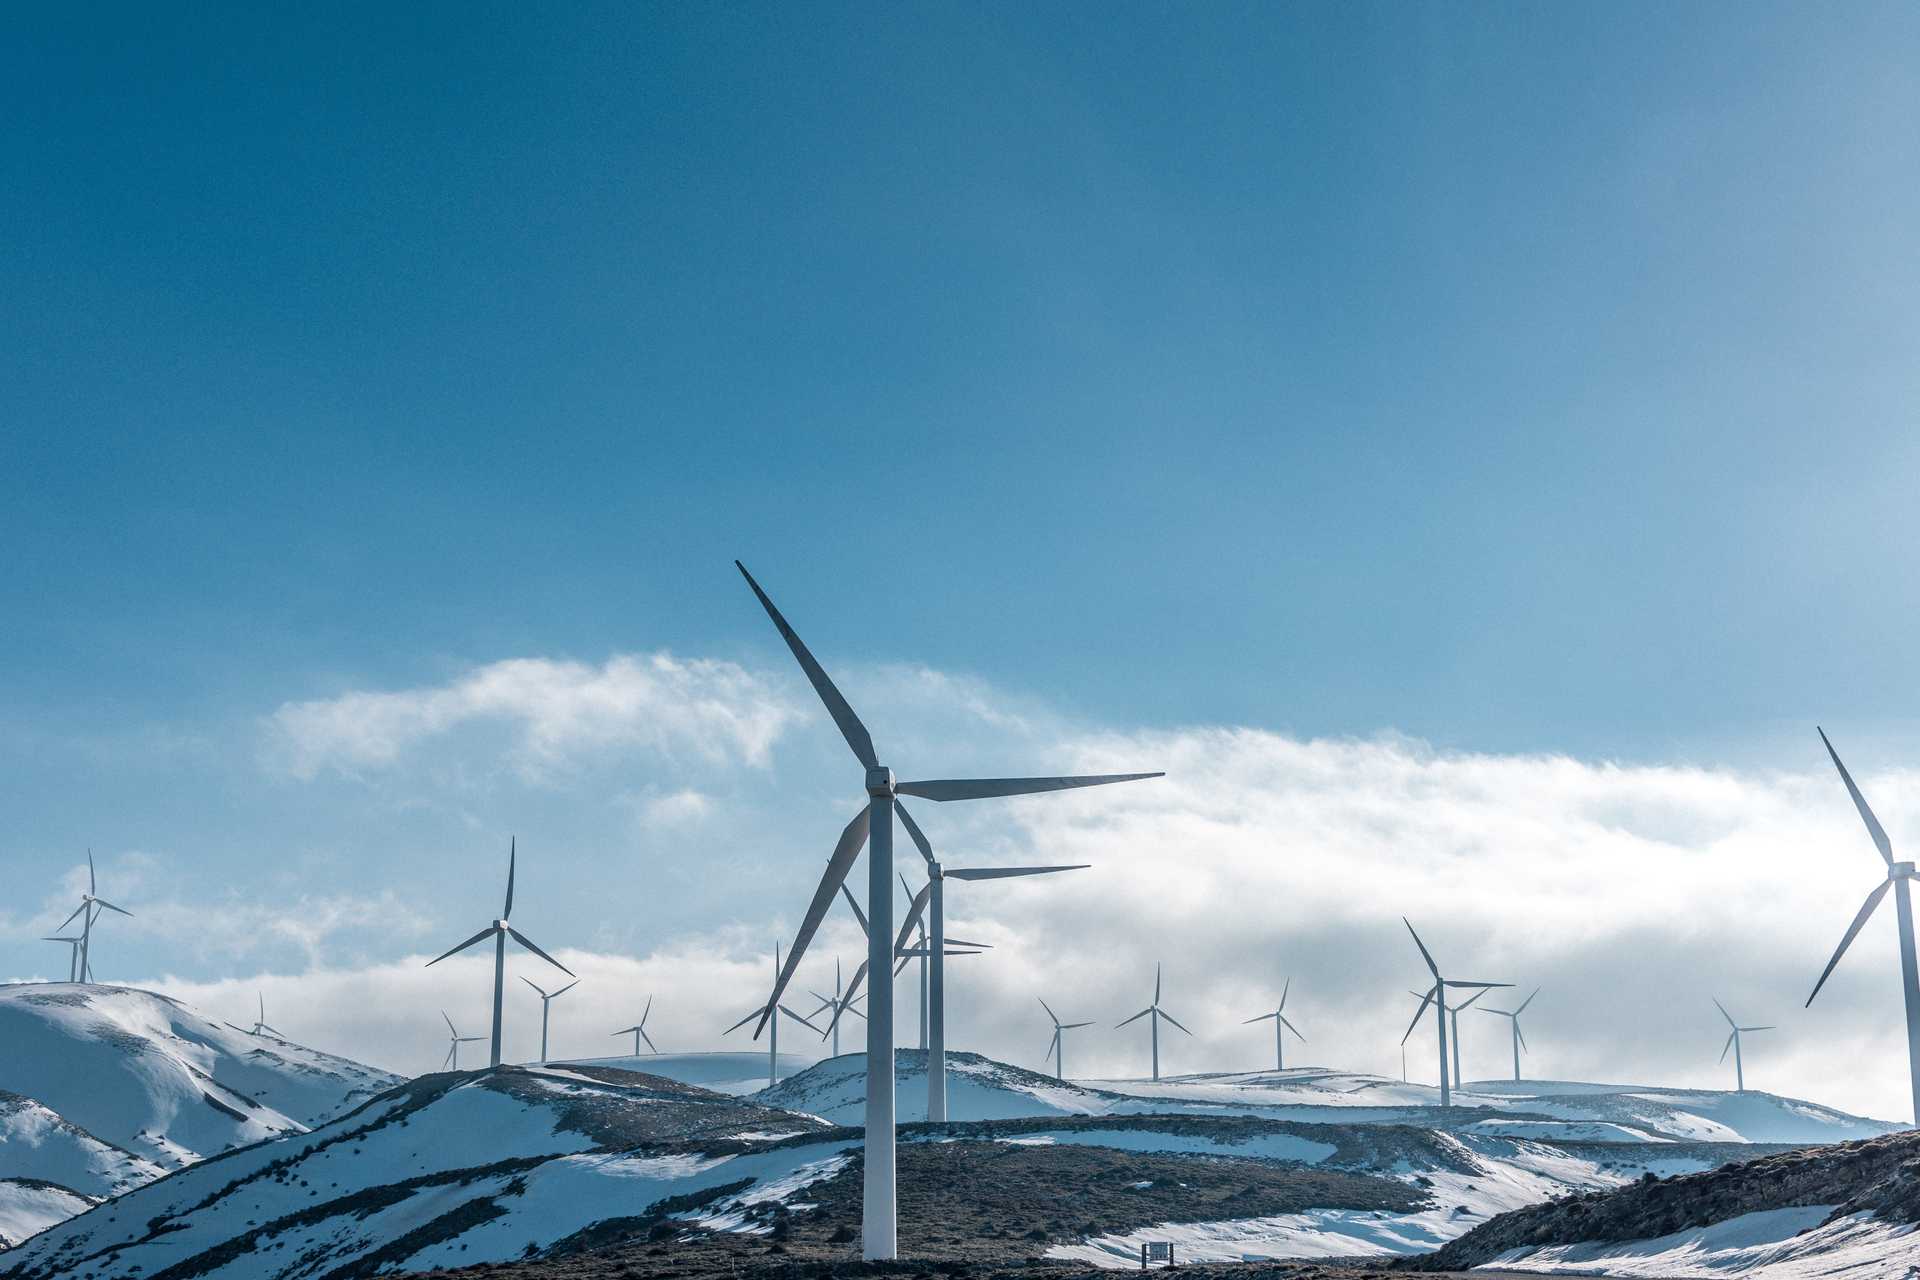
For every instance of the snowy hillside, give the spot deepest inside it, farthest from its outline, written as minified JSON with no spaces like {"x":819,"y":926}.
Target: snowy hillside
{"x":38,"y":1145}
{"x":146,"y":1074}
{"x":735,"y":1073}
{"x":28,"y":1207}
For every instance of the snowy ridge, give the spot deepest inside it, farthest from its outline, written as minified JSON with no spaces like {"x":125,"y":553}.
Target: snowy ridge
{"x":37,"y":1145}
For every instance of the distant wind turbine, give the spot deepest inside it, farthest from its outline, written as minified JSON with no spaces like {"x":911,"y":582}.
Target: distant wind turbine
{"x":833,"y":1002}
{"x":1453,"y":1024}
{"x":639,"y":1030}
{"x":73,"y":953}
{"x":498,"y":931}
{"x":1280,"y":1023}
{"x":1436,"y":996}
{"x":922,"y":950}
{"x":89,"y":911}
{"x":879,"y":1225}
{"x":1899,"y":877}
{"x":1733,"y":1043}
{"x":1157,"y":1013}
{"x":1519,"y":1040}
{"x":455,"y":1040}
{"x":1057,"y":1047}
{"x":546,"y":1000}
{"x":774,"y":1007}
{"x":260,"y":1023}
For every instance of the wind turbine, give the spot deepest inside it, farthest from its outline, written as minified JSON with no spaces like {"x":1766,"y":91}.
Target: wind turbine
{"x":923,"y":951}
{"x":937,"y":876}
{"x":260,"y":1023}
{"x":879,"y":1233}
{"x":639,"y":1030}
{"x":1899,"y":876}
{"x":1158,"y":1013}
{"x":1453,"y":1021}
{"x":773,"y":1006}
{"x":498,"y":931}
{"x":89,"y":910}
{"x":1280,"y":1023}
{"x":1057,"y":1047}
{"x":455,"y":1040}
{"x":1733,"y":1043}
{"x":73,"y":954}
{"x":1437,"y":996}
{"x":1519,"y":1040}
{"x":833,"y":1002}
{"x":546,"y":999}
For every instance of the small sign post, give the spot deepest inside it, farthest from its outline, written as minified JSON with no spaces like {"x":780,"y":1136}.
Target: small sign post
{"x":1156,"y":1251}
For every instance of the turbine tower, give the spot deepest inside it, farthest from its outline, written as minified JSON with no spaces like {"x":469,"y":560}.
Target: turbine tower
{"x":1436,"y":995}
{"x":937,"y":876}
{"x":1733,"y":1043}
{"x":922,"y":950}
{"x":1280,"y":1024}
{"x":1453,"y":1024}
{"x":73,"y":953}
{"x":498,"y":931}
{"x":1158,"y":1013}
{"x":879,"y":1231}
{"x":452,"y":1061}
{"x":773,"y":1006}
{"x":91,"y":905}
{"x":1519,"y":1040}
{"x":546,"y":999}
{"x":260,"y":1023}
{"x":639,"y":1030}
{"x":1899,"y":878}
{"x":1057,"y":1048}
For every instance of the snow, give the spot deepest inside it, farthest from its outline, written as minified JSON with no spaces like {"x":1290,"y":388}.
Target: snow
{"x":1776,"y":1244}
{"x":27,"y":1208}
{"x":738,"y":1074}
{"x":1265,"y":1146}
{"x":37,"y":1144}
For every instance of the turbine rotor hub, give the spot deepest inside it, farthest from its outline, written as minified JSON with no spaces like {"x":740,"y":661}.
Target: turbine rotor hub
{"x":499,"y":926}
{"x":1901,"y":871}
{"x":880,"y":781}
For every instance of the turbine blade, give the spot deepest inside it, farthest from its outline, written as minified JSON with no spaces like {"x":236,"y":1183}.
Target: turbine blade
{"x":1419,"y":1013}
{"x":1175,"y":1021}
{"x":536,"y":986}
{"x":649,"y":1039}
{"x":1069,"y":1026}
{"x":1874,"y":828}
{"x":730,"y":1030}
{"x":797,"y":1018}
{"x":1853,"y":930}
{"x":1050,"y":1013}
{"x":512,"y":850}
{"x":1452,"y":983}
{"x":1524,"y":1003}
{"x":1723,"y":1010}
{"x":93,"y":886}
{"x":528,"y":943}
{"x":102,"y":902}
{"x":1289,"y":1026}
{"x":858,"y":914}
{"x":977,"y":946}
{"x":484,"y":933}
{"x":1424,"y":953}
{"x":1262,"y":1018}
{"x":451,"y":1029}
{"x":1729,"y":1045}
{"x":1156,"y":984}
{"x":562,"y":991}
{"x":918,"y":836}
{"x":69,"y":920}
{"x":944,"y":789}
{"x":1469,"y":1001}
{"x":1282,"y":1008}
{"x":913,"y":916}
{"x":1523,"y":1038}
{"x":850,"y":727}
{"x":447,"y":1061}
{"x":1135,"y":1018}
{"x":1001,"y":873}
{"x":1769,"y":1027}
{"x":627,"y":1031}
{"x":853,"y":838}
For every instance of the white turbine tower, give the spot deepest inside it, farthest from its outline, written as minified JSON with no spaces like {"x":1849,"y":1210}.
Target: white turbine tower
{"x":454,"y":1040}
{"x":1157,"y":1013}
{"x":1899,"y":877}
{"x":879,"y":1234}
{"x":1057,"y":1047}
{"x":260,"y":1023}
{"x":1519,"y":1040}
{"x":91,"y":905}
{"x":639,"y":1030}
{"x":764,"y":1013}
{"x":73,"y":953}
{"x":935,"y":1008}
{"x":1280,"y":1025}
{"x":1733,"y":1043}
{"x":1437,"y":996}
{"x":498,"y":931}
{"x":921,"y":951}
{"x":546,"y":1000}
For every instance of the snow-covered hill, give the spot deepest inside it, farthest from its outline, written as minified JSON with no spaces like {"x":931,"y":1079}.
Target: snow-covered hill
{"x":37,"y":1144}
{"x":735,"y":1073}
{"x":29,"y":1206}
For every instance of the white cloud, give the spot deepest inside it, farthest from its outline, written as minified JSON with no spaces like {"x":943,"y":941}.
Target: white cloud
{"x":555,"y":711}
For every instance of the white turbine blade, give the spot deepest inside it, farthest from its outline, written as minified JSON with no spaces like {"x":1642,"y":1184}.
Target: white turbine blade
{"x":562,"y":991}
{"x":451,"y":1029}
{"x":1874,"y":828}
{"x":1156,"y":984}
{"x":850,"y":727}
{"x":471,"y":1039}
{"x":447,"y":1061}
{"x":1001,"y":873}
{"x":1853,"y":930}
{"x":273,"y":1030}
{"x":1052,"y":1045}
{"x":1744,"y":1030}
{"x":1135,"y":1018}
{"x":735,"y":1027}
{"x":1452,"y":983}
{"x":93,"y":886}
{"x":1419,"y":1013}
{"x":1262,"y":1018}
{"x":918,"y":836}
{"x":1524,"y":1003}
{"x":1049,"y":1008}
{"x":1723,"y":1012}
{"x":1424,"y":953}
{"x":646,"y":1012}
{"x":1469,"y":1001}
{"x":1175,"y":1021}
{"x":977,"y":946}
{"x":512,"y":853}
{"x":1289,"y":1026}
{"x":944,"y":789}
{"x":797,"y":1018}
{"x":1282,"y":1006}
{"x":69,"y":920}
{"x":1523,"y":1037}
{"x":853,"y":838}
{"x":1729,"y":1045}
{"x":1502,"y":1012}
{"x":627,"y":1031}
{"x":913,"y":916}
{"x":649,"y":1039}
{"x":527,"y":942}
{"x":1069,"y":1026}
{"x":536,"y":986}
{"x":858,"y":914}
{"x":102,"y":902}
{"x":484,"y":933}
{"x":856,"y":1013}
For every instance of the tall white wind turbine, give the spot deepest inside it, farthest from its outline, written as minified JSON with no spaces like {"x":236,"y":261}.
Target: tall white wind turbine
{"x":260,"y":1023}
{"x":1437,"y":995}
{"x":499,"y":931}
{"x":1519,"y":1040}
{"x":454,"y":1040}
{"x":769,"y":1012}
{"x":89,"y":910}
{"x":1157,"y":1013}
{"x":879,"y":1234}
{"x":1057,"y":1047}
{"x":546,"y":1001}
{"x":1899,"y":878}
{"x":1733,"y":1043}
{"x":73,"y":953}
{"x":937,"y":876}
{"x":639,"y":1030}
{"x":1280,"y":1024}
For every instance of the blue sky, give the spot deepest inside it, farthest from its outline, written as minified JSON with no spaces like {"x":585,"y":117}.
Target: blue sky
{"x":1523,"y":380}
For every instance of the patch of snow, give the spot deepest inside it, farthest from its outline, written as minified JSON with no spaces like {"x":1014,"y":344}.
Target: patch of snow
{"x":1776,"y":1244}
